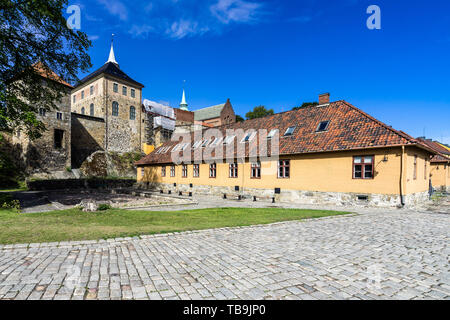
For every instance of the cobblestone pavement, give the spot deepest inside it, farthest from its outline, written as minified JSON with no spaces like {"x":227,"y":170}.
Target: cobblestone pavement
{"x":376,"y":255}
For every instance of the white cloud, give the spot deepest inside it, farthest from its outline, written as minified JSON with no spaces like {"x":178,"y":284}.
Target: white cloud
{"x":116,"y":8}
{"x":182,"y":28}
{"x":93,"y":37}
{"x":141,"y":31}
{"x":235,"y":11}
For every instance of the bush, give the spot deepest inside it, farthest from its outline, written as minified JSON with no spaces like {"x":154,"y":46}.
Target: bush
{"x":8,"y":203}
{"x":104,"y":207}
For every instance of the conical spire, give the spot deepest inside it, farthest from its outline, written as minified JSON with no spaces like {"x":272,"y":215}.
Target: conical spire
{"x":183,"y":104}
{"x":112,"y":57}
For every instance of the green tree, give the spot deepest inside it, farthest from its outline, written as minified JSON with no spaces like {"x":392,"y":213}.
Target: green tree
{"x":259,"y":112}
{"x":306,"y":104}
{"x":36,"y":31}
{"x":239,"y":118}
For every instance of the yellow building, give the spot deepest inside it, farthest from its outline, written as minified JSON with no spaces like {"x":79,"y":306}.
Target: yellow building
{"x":333,"y":153}
{"x":440,"y":165}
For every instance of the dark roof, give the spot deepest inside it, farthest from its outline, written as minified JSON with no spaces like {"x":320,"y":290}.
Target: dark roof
{"x":443,"y":153}
{"x":349,"y":129}
{"x":113,"y":70}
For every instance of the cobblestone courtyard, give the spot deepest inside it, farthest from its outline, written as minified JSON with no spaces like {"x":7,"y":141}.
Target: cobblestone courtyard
{"x":375,"y":255}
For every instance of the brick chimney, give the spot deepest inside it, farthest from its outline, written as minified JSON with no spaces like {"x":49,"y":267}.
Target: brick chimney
{"x":324,"y":98}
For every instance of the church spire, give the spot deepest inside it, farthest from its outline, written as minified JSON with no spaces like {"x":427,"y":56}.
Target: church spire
{"x":183,"y":104}
{"x":112,"y":57}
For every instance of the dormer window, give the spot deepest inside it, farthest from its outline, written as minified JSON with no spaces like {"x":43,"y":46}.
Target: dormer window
{"x":323,"y":126}
{"x":289,"y":131}
{"x":249,"y":136}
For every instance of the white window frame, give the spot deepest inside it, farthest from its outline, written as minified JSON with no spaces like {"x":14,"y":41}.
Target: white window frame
{"x":292,"y":133}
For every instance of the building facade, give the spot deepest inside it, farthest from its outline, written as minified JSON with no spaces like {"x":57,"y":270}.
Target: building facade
{"x":332,"y":153}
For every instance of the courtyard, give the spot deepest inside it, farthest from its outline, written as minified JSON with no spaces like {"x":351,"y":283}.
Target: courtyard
{"x":371,"y":254}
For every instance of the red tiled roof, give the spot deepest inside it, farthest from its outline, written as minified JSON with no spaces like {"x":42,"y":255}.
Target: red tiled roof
{"x":443,"y":154}
{"x":349,"y":129}
{"x":47,"y":73}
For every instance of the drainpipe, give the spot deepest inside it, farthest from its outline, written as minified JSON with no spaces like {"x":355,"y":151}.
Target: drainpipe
{"x":402,"y":198}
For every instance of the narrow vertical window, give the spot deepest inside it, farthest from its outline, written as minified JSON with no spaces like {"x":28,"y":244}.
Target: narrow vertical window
{"x":124,"y":90}
{"x":132,"y":113}
{"x":284,"y":167}
{"x":415,"y":167}
{"x":163,"y":171}
{"x":425,"y":170}
{"x":184,"y":171}
{"x":212,"y":170}
{"x":172,"y":171}
{"x":91,"y":90}
{"x":256,"y":170}
{"x":142,"y":172}
{"x":91,"y":109}
{"x":83,"y":111}
{"x":115,"y":109}
{"x":82,"y":94}
{"x":133,"y":93}
{"x":233,"y":170}
{"x":59,"y":115}
{"x":196,"y":172}
{"x":116,"y":87}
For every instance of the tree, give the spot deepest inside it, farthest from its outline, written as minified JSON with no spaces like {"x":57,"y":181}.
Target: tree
{"x":34,"y":31}
{"x":239,"y":118}
{"x":259,"y":112}
{"x":306,"y":104}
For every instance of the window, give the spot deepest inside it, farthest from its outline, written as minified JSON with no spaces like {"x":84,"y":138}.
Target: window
{"x":59,"y":115}
{"x":196,"y":172}
{"x":415,"y":167}
{"x":212,"y":170}
{"x":163,"y":171}
{"x":124,"y":90}
{"x":42,"y":112}
{"x":323,"y":126}
{"x":272,"y":133}
{"x":249,"y":136}
{"x":142,"y":172}
{"x":133,"y":93}
{"x":256,"y":170}
{"x":425,"y":172}
{"x":205,"y":143}
{"x":115,"y":109}
{"x":82,"y":111}
{"x":116,"y":88}
{"x":82,"y":95}
{"x":233,"y":170}
{"x":91,"y":111}
{"x":166,"y":135}
{"x":289,"y":131}
{"x":363,"y":167}
{"x":58,"y":138}
{"x":172,"y":171}
{"x":132,"y":113}
{"x":284,"y":167}
{"x":91,"y":89}
{"x":74,"y":98}
{"x":184,"y":171}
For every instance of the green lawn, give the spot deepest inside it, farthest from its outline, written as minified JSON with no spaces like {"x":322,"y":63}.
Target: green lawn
{"x":77,"y":225}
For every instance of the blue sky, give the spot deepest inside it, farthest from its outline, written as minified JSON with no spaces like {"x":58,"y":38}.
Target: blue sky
{"x":282,"y":53}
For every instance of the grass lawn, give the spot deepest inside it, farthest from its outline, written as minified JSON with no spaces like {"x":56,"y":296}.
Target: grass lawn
{"x":77,"y":225}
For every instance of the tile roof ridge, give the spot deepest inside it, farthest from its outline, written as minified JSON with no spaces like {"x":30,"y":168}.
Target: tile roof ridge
{"x":398,"y":132}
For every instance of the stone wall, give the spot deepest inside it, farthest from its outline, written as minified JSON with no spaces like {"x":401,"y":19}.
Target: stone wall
{"x":43,"y":156}
{"x":109,"y":164}
{"x":74,"y":184}
{"x":88,"y":136}
{"x":294,"y":196}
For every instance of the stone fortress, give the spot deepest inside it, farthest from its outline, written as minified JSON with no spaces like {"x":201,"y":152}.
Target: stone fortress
{"x":105,"y":116}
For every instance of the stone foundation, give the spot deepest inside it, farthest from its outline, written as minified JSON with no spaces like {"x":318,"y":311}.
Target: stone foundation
{"x":296,"y":196}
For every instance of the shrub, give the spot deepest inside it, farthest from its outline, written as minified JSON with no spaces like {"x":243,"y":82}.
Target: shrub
{"x":104,"y":207}
{"x":8,"y":203}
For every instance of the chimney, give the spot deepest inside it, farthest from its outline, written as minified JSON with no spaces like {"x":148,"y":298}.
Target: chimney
{"x":324,"y":98}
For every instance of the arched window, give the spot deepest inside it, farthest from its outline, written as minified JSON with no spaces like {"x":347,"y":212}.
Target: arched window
{"x":92,"y":110}
{"x":115,"y":109}
{"x":132,"y":113}
{"x":82,"y":111}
